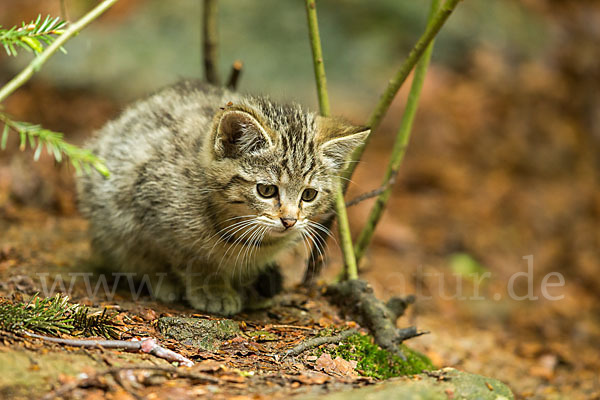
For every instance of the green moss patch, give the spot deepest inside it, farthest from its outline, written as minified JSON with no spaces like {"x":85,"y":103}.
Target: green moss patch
{"x":375,"y":362}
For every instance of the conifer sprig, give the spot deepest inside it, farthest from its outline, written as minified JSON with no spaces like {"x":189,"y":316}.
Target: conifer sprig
{"x":32,"y":36}
{"x":39,"y":137}
{"x":55,"y":315}
{"x":51,"y":315}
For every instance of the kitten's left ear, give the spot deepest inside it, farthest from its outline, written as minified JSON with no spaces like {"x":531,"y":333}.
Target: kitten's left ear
{"x":338,"y":139}
{"x":237,"y":132}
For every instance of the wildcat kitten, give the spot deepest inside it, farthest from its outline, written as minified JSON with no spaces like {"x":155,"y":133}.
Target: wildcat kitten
{"x":209,"y":186}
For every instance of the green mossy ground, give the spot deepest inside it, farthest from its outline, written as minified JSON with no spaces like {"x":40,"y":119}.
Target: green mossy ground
{"x":375,"y":362}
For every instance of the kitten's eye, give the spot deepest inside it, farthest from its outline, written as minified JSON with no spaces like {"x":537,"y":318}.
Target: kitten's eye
{"x":309,"y":194}
{"x":266,"y":191}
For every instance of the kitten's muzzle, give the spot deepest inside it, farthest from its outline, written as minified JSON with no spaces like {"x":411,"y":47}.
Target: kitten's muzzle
{"x":288,"y":222}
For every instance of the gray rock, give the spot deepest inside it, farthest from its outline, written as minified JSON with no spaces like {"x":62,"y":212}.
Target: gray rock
{"x":444,"y":384}
{"x":204,"y":334}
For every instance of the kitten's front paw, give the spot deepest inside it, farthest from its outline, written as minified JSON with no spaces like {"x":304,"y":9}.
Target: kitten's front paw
{"x":216,"y":300}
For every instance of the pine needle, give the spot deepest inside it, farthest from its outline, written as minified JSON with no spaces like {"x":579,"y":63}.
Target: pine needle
{"x":55,"y":315}
{"x":32,"y":36}
{"x":55,"y":145}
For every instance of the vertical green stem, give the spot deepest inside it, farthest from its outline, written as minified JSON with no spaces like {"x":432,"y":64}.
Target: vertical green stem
{"x":351,"y":271}
{"x":433,"y":27}
{"x":399,"y":149}
{"x":350,"y":265}
{"x":319,"y":66}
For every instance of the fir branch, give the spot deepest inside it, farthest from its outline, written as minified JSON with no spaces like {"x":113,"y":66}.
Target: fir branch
{"x":52,"y":315}
{"x":32,"y":36}
{"x":37,"y":62}
{"x":99,"y":323}
{"x":55,"y":315}
{"x":38,"y":138}
{"x":350,"y":268}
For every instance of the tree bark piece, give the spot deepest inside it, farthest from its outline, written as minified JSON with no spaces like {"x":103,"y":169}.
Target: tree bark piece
{"x":148,"y":345}
{"x":355,"y":298}
{"x":318,"y":341}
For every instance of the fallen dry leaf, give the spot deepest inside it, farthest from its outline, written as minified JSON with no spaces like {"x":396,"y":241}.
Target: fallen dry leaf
{"x":337,"y":366}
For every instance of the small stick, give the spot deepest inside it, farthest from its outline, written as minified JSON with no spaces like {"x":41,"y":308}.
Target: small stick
{"x":306,"y":328}
{"x":210,"y":41}
{"x":236,"y":70}
{"x":318,"y":341}
{"x":148,"y":345}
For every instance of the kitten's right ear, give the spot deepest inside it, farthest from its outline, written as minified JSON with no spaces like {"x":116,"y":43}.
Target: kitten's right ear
{"x":237,"y":132}
{"x":338,"y":139}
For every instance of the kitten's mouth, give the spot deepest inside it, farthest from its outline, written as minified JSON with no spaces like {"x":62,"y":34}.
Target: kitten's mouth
{"x":280,"y":232}
{"x":273,"y":236}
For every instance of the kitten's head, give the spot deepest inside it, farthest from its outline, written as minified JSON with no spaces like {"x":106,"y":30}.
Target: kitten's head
{"x":277,"y":166}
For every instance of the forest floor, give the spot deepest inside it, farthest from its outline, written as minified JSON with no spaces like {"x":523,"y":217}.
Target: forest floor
{"x":38,"y":248}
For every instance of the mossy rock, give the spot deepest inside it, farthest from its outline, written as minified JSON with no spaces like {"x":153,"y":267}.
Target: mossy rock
{"x":204,"y":334}
{"x":26,"y":374}
{"x":444,"y":384}
{"x":375,"y":362}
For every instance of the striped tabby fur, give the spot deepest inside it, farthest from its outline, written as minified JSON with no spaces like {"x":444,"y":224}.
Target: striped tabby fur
{"x":188,"y":166}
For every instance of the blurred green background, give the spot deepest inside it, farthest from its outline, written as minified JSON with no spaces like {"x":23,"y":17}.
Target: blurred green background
{"x":153,"y":43}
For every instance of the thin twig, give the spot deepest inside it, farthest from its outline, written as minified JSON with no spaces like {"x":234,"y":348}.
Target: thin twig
{"x":350,"y":269}
{"x":149,"y":345}
{"x":318,"y":341}
{"x":400,"y":145}
{"x":396,"y":82}
{"x":37,"y":62}
{"x":234,"y":76}
{"x":284,"y":326}
{"x":86,"y":381}
{"x":314,"y":264}
{"x":210,"y":36}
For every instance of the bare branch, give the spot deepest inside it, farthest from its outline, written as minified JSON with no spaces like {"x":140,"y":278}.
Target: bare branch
{"x":210,"y":36}
{"x":318,"y":341}
{"x":149,"y":345}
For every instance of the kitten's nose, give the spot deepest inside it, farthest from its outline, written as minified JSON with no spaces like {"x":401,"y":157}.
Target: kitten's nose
{"x":288,"y":222}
